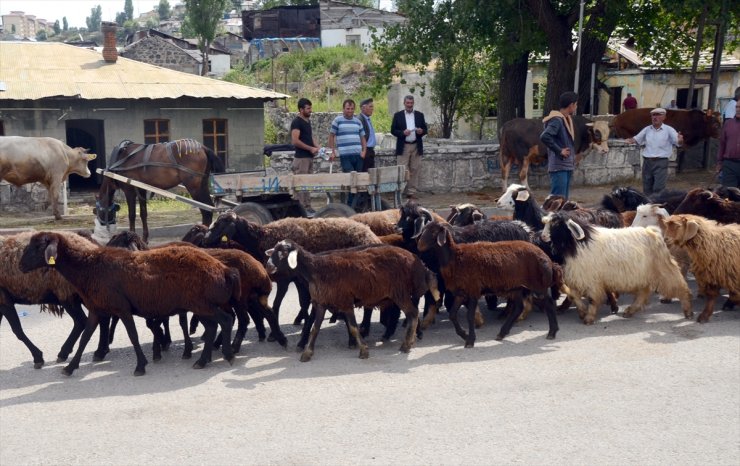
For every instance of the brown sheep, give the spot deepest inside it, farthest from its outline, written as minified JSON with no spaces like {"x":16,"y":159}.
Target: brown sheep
{"x":715,"y":256}
{"x":364,"y":276}
{"x":382,"y":223}
{"x":255,"y":289}
{"x":516,"y":269}
{"x":703,"y":202}
{"x":46,"y":287}
{"x":154,"y":284}
{"x":315,"y":235}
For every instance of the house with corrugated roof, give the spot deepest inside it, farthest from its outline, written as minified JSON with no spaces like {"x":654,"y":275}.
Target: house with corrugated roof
{"x":78,"y":96}
{"x":627,"y":71}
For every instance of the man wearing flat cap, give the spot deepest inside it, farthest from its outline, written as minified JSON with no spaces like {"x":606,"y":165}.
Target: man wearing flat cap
{"x":658,"y":139}
{"x":366,"y":111}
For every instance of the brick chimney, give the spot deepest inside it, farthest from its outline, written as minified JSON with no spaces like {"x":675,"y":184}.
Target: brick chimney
{"x":110,"y":53}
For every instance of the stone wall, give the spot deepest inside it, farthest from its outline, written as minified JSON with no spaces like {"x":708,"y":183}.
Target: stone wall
{"x":460,"y":166}
{"x":32,"y":197}
{"x":158,"y":51}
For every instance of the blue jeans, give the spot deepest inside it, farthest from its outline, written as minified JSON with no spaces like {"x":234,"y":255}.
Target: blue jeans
{"x":351,"y":163}
{"x":560,"y":183}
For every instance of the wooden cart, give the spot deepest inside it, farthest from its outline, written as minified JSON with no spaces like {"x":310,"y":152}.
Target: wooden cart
{"x":261,"y":198}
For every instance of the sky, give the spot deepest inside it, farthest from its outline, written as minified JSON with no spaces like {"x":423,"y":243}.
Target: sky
{"x":77,"y":10}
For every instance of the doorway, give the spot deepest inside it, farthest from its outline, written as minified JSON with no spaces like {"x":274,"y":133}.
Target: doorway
{"x":682,"y":98}
{"x":615,"y":100}
{"x":89,"y":134}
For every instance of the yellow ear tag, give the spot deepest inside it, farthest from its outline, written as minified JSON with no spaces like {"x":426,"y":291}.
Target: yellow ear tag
{"x":224,"y":239}
{"x":52,"y":261}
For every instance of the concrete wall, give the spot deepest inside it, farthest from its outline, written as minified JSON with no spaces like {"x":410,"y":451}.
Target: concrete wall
{"x":125,"y":120}
{"x":336,"y":37}
{"x":220,"y":64}
{"x":455,"y":166}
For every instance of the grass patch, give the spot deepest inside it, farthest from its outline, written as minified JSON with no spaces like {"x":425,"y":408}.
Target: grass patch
{"x":158,"y":204}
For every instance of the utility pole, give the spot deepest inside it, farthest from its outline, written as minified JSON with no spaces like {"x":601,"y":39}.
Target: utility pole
{"x":578,"y":47}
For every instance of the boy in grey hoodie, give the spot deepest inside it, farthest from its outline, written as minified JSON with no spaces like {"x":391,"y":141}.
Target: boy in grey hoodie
{"x":558,"y":137}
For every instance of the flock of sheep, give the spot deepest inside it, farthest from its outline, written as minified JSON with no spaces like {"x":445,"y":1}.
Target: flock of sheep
{"x":386,"y":260}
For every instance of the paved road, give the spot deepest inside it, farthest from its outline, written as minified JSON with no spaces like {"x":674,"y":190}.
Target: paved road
{"x":654,"y":389}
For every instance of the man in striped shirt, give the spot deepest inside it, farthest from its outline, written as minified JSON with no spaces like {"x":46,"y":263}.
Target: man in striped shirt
{"x":347,"y":138}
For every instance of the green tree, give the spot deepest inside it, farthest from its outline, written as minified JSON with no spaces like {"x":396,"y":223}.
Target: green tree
{"x":128,"y":8}
{"x":57,"y":28}
{"x":120,"y":18}
{"x":152,"y":23}
{"x":93,"y":21}
{"x":203,"y":17}
{"x":164,"y":10}
{"x":65,"y":24}
{"x":480,"y":89}
{"x":436,"y":35}
{"x":41,"y":35}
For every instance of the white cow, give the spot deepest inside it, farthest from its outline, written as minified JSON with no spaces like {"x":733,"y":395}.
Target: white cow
{"x":47,"y":161}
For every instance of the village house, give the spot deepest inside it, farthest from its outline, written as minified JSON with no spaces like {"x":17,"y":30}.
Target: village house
{"x":165,"y":50}
{"x":286,"y":29}
{"x":628,"y":72}
{"x":95,"y":101}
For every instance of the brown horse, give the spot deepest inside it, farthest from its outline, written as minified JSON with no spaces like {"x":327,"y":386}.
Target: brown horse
{"x":164,"y":165}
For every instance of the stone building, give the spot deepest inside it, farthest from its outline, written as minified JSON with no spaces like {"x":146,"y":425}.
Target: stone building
{"x":158,"y":51}
{"x":165,"y":50}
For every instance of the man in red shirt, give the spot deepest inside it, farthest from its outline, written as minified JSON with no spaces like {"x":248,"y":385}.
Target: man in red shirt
{"x":728,"y":158}
{"x":629,"y":102}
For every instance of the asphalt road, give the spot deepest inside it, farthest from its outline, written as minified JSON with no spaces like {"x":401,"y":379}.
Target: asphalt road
{"x":654,"y":389}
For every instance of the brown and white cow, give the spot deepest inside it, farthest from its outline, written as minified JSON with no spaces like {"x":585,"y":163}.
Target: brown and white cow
{"x":694,"y":125}
{"x":520,"y":143}
{"x":47,"y":161}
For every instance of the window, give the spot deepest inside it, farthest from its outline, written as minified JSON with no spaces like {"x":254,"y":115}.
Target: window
{"x":353,"y":40}
{"x":156,"y":131}
{"x":215,"y":136}
{"x":2,"y":128}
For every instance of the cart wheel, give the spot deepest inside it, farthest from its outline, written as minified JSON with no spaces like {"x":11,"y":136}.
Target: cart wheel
{"x":335,"y":210}
{"x":253,"y":212}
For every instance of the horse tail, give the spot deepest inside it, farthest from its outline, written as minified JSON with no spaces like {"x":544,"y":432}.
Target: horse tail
{"x":215,"y":164}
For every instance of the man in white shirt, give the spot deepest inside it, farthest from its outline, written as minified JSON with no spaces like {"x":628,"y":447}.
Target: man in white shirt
{"x":409,"y":126}
{"x":728,"y":113}
{"x":658,"y":139}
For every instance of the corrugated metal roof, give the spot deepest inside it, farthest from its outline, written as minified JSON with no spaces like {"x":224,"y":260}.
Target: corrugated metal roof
{"x":51,"y":69}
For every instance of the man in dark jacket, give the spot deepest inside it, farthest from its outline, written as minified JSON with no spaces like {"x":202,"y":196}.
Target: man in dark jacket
{"x":367,"y":107}
{"x":408,"y":126}
{"x":558,"y":137}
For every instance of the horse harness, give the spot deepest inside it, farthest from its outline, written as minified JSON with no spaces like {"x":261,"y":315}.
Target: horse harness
{"x":190,"y":145}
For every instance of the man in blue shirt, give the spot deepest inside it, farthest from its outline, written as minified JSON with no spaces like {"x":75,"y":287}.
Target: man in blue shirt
{"x":658,"y":139}
{"x":347,"y":137}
